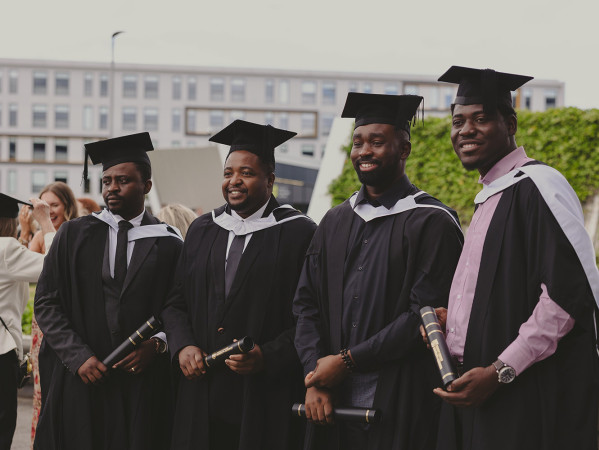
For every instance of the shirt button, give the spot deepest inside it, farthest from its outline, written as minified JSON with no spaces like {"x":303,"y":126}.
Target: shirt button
{"x":221,"y":330}
{"x":452,"y":330}
{"x":459,"y":295}
{"x":354,"y":324}
{"x":366,"y":241}
{"x":355,"y":297}
{"x":360,"y":268}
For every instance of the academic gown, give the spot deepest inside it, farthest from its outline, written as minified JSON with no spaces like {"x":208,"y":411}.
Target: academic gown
{"x":423,"y":253}
{"x":126,"y":411}
{"x":259,"y":306}
{"x":553,"y":404}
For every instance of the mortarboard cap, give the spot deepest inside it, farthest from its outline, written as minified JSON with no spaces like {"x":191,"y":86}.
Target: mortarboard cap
{"x":258,"y":139}
{"x":397,"y":110}
{"x":110,"y":152}
{"x":9,"y":206}
{"x":483,"y":86}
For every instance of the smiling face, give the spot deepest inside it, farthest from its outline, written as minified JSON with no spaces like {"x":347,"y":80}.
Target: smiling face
{"x":481,"y":139}
{"x":57,"y":208}
{"x":124,"y":190}
{"x":246,"y":185}
{"x":378,"y":155}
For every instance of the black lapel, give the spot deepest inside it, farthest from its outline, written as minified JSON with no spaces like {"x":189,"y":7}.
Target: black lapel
{"x":486,"y":277}
{"x":336,"y":239}
{"x":219,"y":238}
{"x":140,"y":251}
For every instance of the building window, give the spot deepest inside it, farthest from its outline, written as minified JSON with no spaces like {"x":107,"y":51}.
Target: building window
{"x":192,"y":88}
{"x":527,"y":93}
{"x":176,"y":144}
{"x":39,"y":116}
{"x":103,"y":116}
{"x":217,"y":120}
{"x":12,"y":149}
{"x":176,"y":88}
{"x":0,"y":114}
{"x":12,"y":181}
{"x":190,"y":121}
{"x":433,"y":98}
{"x":103,"y":85}
{"x":88,"y":84}
{"x":550,"y":98}
{"x":237,"y":115}
{"x":62,"y":83}
{"x":39,"y":149}
{"x":40,"y":82}
{"x":284,"y":121}
{"x":353,"y":87}
{"x":367,"y":88}
{"x":13,"y":81}
{"x":61,"y":116}
{"x":410,"y":89}
{"x":308,"y":123}
{"x":38,"y":181}
{"x":308,"y":149}
{"x":326,"y":122}
{"x":217,"y":89}
{"x":13,"y":109}
{"x":329,"y":93}
{"x":391,"y":89}
{"x":269,"y":118}
{"x":88,"y":117}
{"x":283,"y":148}
{"x":61,"y":150}
{"x":150,"y":119}
{"x":176,"y":120}
{"x":308,"y":92}
{"x":130,"y":86}
{"x":61,"y":175}
{"x":237,"y":90}
{"x":129,"y":118}
{"x":269,"y":91}
{"x":151,"y":86}
{"x":284,"y":92}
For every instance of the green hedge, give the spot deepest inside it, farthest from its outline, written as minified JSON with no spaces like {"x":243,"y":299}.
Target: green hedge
{"x":565,"y":138}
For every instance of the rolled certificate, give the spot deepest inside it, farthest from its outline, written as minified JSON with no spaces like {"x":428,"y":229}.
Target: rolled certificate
{"x":362,"y":415}
{"x":146,"y":331}
{"x":436,"y":339}
{"x":243,"y":345}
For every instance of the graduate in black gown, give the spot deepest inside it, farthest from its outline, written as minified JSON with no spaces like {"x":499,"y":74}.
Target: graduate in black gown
{"x":375,"y":260}
{"x":236,"y":277}
{"x":105,"y":275}
{"x":522,"y":302}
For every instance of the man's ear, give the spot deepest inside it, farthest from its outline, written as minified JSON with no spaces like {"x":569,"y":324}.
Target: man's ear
{"x":271,"y":180}
{"x":512,"y":124}
{"x":147,"y":186}
{"x":406,"y":149}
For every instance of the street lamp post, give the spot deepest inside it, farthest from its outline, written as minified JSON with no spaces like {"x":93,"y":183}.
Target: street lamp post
{"x":114,"y":35}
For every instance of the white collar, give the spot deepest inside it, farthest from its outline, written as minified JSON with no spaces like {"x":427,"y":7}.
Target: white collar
{"x":257,"y":215}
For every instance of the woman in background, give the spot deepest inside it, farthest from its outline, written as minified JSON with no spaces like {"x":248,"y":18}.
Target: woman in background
{"x":178,"y":216}
{"x":18,"y":267}
{"x":63,"y":207}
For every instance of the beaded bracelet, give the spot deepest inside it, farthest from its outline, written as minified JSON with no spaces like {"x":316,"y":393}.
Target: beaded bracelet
{"x":347,"y":359}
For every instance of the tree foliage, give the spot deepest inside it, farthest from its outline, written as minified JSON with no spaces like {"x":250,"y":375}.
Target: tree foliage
{"x":564,"y":138}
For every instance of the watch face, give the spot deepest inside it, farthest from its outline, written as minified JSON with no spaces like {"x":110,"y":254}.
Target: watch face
{"x":507,"y":374}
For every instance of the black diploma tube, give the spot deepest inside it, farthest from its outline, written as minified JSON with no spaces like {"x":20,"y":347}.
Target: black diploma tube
{"x":146,"y":331}
{"x":436,"y":339}
{"x":362,"y":415}
{"x":217,"y":358}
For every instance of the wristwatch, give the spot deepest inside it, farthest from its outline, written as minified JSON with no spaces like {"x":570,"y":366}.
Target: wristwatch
{"x":160,"y":345}
{"x":505,"y":373}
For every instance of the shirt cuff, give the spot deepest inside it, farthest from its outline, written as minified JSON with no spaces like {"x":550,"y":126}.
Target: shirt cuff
{"x":162,"y":336}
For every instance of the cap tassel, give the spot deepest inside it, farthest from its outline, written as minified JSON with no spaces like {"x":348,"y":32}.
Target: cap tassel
{"x":84,"y":177}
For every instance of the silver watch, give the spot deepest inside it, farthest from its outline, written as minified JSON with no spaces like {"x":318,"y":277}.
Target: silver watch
{"x":505,"y":373}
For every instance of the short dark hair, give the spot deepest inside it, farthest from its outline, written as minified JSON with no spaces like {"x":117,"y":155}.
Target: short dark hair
{"x":145,"y":170}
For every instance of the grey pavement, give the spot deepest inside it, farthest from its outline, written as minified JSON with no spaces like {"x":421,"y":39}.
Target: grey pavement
{"x":22,"y":438}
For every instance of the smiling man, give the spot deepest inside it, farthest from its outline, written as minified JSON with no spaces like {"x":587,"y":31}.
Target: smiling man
{"x":236,"y":278}
{"x":375,"y":260}
{"x":105,"y":275}
{"x":521,"y":309}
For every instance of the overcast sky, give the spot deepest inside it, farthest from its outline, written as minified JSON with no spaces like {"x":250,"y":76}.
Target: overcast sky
{"x":547,"y":39}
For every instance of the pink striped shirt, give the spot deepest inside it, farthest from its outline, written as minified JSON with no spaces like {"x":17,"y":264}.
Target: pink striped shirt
{"x":539,"y":335}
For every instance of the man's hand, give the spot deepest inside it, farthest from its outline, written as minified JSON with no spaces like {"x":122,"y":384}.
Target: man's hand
{"x":92,"y":371}
{"x":191,"y":362}
{"x":442,"y":318}
{"x":472,"y":388}
{"x":329,"y":372}
{"x":247,"y":363}
{"x":139,"y":359}
{"x":319,"y":405}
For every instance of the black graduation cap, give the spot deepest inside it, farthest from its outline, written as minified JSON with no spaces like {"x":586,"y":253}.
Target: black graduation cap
{"x":252,"y":137}
{"x":9,"y":206}
{"x":110,"y":152}
{"x":483,"y":86}
{"x":397,"y":110}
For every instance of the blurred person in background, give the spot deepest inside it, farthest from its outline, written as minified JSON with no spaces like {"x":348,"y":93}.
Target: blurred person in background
{"x":63,"y":207}
{"x":18,"y":267}
{"x":178,"y":216}
{"x":87,"y":206}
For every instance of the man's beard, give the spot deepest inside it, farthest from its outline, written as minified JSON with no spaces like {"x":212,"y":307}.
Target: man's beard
{"x":380,"y":176}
